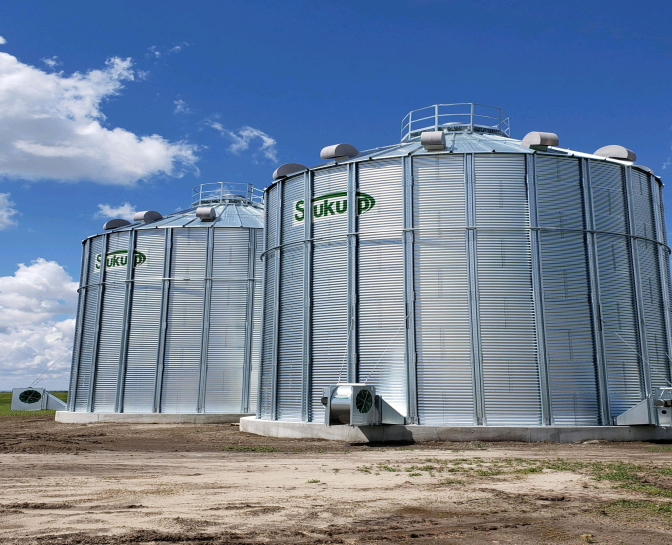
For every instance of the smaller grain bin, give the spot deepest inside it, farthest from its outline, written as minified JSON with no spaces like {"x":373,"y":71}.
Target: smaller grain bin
{"x":175,"y":328}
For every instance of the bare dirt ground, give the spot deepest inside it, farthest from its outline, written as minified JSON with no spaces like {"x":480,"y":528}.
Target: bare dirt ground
{"x":111,"y":483}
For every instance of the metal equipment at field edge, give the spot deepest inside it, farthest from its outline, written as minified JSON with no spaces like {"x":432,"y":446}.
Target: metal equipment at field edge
{"x":357,"y":405}
{"x":35,"y":399}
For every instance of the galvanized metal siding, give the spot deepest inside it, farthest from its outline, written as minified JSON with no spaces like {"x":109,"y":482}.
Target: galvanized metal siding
{"x":89,"y":325}
{"x":111,"y":323}
{"x":256,"y":323}
{"x":74,"y":367}
{"x":507,"y":320}
{"x":616,"y":287}
{"x":382,"y":314}
{"x":228,"y":317}
{"x":330,"y":293}
{"x":650,"y":278}
{"x":179,"y":392}
{"x":570,"y":343}
{"x":265,"y":408}
{"x":444,"y":373}
{"x":143,"y":335}
{"x":290,"y":341}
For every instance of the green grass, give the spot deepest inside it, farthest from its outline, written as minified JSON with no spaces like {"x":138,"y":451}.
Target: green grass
{"x":248,"y":448}
{"x":6,"y":401}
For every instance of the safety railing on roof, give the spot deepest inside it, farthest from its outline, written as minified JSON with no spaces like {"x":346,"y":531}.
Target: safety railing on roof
{"x":459,"y":117}
{"x":219,"y":192}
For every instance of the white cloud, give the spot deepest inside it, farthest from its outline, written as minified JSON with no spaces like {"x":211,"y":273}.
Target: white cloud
{"x":6,"y":212}
{"x":181,"y":107}
{"x":178,"y":47}
{"x":37,"y":306}
{"x":2,"y":40}
{"x":52,"y":128}
{"x":52,"y":62}
{"x":241,"y":140}
{"x":126,"y":211}
{"x":158,"y":53}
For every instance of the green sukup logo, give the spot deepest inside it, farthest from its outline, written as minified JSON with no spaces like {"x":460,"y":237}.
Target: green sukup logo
{"x":119,"y":259}
{"x":333,"y":204}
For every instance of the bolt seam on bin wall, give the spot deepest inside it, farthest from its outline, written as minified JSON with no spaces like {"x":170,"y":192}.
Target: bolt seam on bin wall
{"x":474,"y":311}
{"x":163,"y":320}
{"x":636,"y":279}
{"x":76,"y":350}
{"x":205,"y":324}
{"x":126,"y":322}
{"x":99,"y":312}
{"x":276,"y":302}
{"x":596,"y":298}
{"x":538,"y":292}
{"x":307,"y":298}
{"x":409,"y":292}
{"x":353,"y":276}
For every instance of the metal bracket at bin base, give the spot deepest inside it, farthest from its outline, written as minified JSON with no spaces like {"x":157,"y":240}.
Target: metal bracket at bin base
{"x":655,"y":410}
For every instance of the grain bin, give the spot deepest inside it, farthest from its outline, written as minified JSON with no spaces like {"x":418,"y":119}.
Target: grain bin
{"x":174,"y":329}
{"x":471,"y":278}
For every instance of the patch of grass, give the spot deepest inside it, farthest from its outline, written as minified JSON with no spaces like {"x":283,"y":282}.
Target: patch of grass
{"x":390,"y":469}
{"x":336,"y":470}
{"x":665,"y":448}
{"x":641,"y":506}
{"x":313,"y":481}
{"x":249,"y":448}
{"x":488,"y":472}
{"x":450,"y":481}
{"x":531,"y":469}
{"x":415,"y":474}
{"x":6,"y":402}
{"x":364,"y":469}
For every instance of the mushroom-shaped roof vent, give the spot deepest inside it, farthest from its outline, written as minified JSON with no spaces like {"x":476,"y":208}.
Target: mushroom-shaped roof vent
{"x":616,"y":152}
{"x":540,"y":140}
{"x":287,"y":169}
{"x":206,"y":213}
{"x":115,"y":224}
{"x":433,"y":140}
{"x":339,"y":151}
{"x":147,"y":216}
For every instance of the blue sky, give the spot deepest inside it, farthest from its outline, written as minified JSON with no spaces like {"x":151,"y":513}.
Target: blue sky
{"x":127,"y":105}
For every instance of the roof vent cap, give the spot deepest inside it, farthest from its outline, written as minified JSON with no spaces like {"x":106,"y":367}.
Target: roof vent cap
{"x":339,"y":151}
{"x":206,"y":213}
{"x":115,"y":224}
{"x":616,"y":152}
{"x":433,"y":140}
{"x":540,"y":140}
{"x":147,"y":216}
{"x":287,"y":169}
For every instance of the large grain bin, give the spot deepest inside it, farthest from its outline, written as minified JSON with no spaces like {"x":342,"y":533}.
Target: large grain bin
{"x":176,"y":328}
{"x":473,"y":279}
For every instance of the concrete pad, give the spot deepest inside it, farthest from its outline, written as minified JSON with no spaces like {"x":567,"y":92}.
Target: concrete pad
{"x":414,"y":433}
{"x":69,"y":417}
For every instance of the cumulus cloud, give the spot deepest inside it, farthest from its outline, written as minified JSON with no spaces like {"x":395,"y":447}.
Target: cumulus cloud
{"x":52,"y":128}
{"x":2,"y":40}
{"x":37,"y":324}
{"x":126,"y":211}
{"x":242,"y":139}
{"x":6,"y":212}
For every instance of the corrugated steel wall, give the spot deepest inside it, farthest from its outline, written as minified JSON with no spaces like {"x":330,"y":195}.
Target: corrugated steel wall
{"x":524,"y":280}
{"x":158,"y":360}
